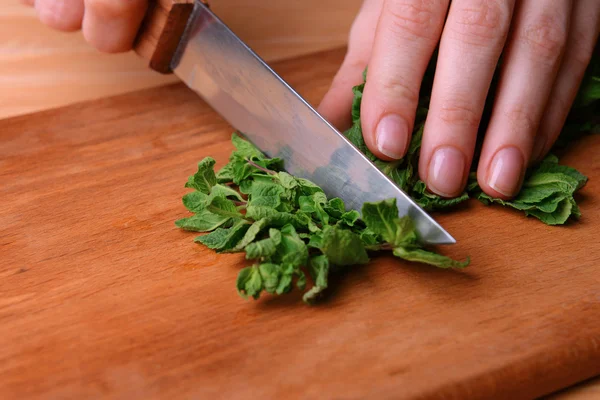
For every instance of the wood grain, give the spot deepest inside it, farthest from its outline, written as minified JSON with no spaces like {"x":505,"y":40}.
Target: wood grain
{"x":102,"y":297}
{"x":161,"y":32}
{"x":42,"y":69}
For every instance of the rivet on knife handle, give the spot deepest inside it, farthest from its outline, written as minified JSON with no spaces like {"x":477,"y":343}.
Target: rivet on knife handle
{"x":161,"y":32}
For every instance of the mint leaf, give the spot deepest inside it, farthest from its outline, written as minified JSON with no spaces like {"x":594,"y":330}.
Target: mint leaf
{"x":225,"y":174}
{"x":249,"y":282}
{"x":204,"y":179}
{"x":265,"y":194}
{"x":250,"y":234}
{"x":292,"y":250}
{"x":428,"y":257}
{"x":270,"y":275}
{"x":343,"y":247}
{"x":264,"y":248}
{"x":380,"y":217}
{"x":224,"y":238}
{"x":224,"y":207}
{"x":244,"y":149}
{"x":430,"y":201}
{"x":224,"y":191}
{"x":205,"y":221}
{"x":195,"y":201}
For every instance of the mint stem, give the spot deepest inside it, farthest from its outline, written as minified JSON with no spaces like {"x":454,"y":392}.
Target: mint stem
{"x":268,"y":171}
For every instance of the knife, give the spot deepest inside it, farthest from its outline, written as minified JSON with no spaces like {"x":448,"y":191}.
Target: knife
{"x":185,"y":37}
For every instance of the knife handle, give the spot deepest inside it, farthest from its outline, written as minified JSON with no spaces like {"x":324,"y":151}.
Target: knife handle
{"x":161,"y":32}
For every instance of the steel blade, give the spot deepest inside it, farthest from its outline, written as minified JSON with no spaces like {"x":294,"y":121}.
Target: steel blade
{"x":247,"y":93}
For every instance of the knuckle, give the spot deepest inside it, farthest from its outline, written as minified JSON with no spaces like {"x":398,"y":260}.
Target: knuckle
{"x":419,"y":19}
{"x":461,"y":113}
{"x":521,"y":121}
{"x":397,"y":88}
{"x":480,"y":22}
{"x":545,"y":38}
{"x":112,"y":9}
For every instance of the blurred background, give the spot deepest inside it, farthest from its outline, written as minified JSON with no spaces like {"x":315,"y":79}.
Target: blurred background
{"x":41,"y":68}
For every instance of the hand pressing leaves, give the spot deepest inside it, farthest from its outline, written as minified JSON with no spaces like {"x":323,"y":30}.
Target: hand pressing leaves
{"x":548,"y":189}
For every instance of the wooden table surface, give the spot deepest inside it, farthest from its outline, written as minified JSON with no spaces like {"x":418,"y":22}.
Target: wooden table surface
{"x":101,"y":296}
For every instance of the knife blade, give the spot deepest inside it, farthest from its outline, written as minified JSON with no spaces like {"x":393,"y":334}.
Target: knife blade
{"x":211,"y":60}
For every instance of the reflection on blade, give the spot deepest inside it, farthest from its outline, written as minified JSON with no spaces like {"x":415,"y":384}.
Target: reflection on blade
{"x":251,"y":97}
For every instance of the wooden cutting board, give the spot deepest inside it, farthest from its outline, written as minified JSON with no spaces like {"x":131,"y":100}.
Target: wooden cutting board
{"x":102,"y":297}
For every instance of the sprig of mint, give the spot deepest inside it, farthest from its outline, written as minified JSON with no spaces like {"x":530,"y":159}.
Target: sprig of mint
{"x":548,"y":188}
{"x":288,"y":226}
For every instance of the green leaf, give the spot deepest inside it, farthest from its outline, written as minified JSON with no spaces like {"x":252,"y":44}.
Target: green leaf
{"x":285,"y":281}
{"x":316,"y":240}
{"x":560,"y":181}
{"x":275,"y":218}
{"x":430,"y":201}
{"x":380,"y":217}
{"x":264,"y":248}
{"x":205,"y":221}
{"x":195,"y":201}
{"x":249,"y":282}
{"x":307,"y":187}
{"x":287,"y":180}
{"x":406,"y":233}
{"x":224,"y":207}
{"x":242,"y":171}
{"x":558,"y":217}
{"x":250,"y":234}
{"x":265,"y":194}
{"x":225,"y":191}
{"x":343,"y":247}
{"x":350,"y":218}
{"x":301,"y":281}
{"x":204,"y":179}
{"x":292,"y":250}
{"x":550,"y":164}
{"x":314,"y":204}
{"x":428,"y":257}
{"x":370,"y":238}
{"x":270,"y":275}
{"x":245,"y":149}
{"x":224,"y":238}
{"x":225,"y":174}
{"x":319,"y":271}
{"x":335,"y":207}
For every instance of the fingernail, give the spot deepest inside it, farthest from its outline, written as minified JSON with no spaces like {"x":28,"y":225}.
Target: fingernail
{"x":446,"y":172}
{"x":505,"y":172}
{"x":538,"y":147}
{"x":392,"y":136}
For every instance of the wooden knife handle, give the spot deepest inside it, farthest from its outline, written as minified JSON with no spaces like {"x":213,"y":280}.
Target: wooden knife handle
{"x":161,"y":31}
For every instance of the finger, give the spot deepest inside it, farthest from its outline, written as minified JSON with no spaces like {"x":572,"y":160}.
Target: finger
{"x":407,"y":34}
{"x":111,"y":25}
{"x":28,"y":2}
{"x":532,"y":59}
{"x":64,"y":15}
{"x":472,"y":41}
{"x":336,"y":104}
{"x":585,"y":28}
